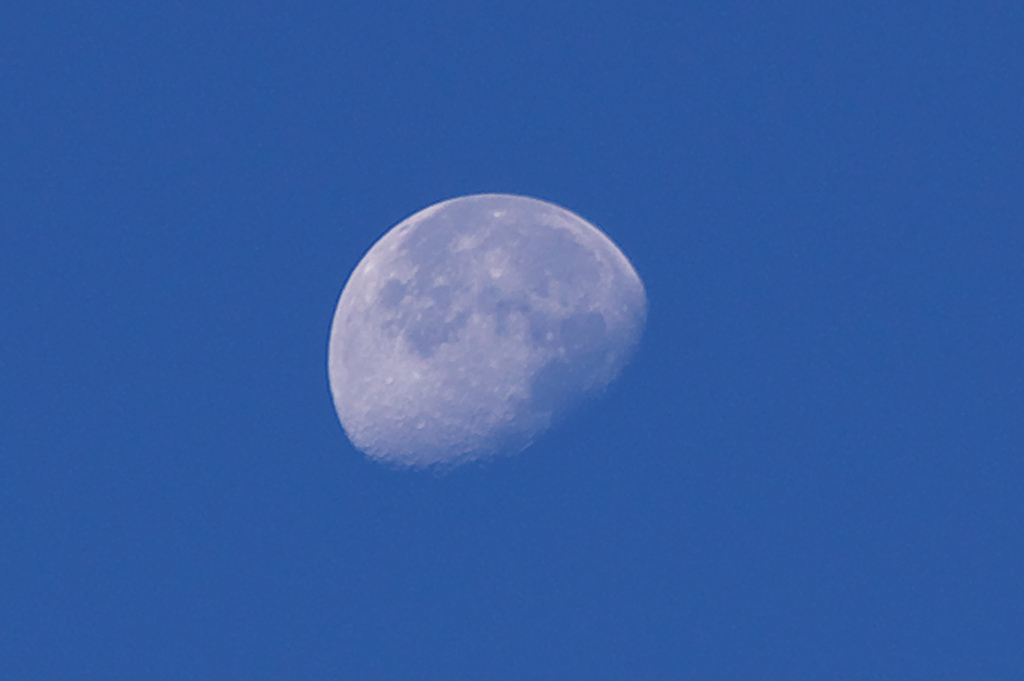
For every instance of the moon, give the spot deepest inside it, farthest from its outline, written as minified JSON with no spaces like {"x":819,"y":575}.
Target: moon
{"x":473,"y":325}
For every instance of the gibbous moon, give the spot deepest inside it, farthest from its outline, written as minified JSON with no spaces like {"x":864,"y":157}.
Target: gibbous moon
{"x":473,"y":325}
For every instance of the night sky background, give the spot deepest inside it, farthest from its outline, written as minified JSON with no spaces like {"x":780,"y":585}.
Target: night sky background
{"x":812,"y":469}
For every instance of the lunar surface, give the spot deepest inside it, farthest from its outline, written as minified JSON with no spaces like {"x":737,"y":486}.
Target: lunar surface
{"x":476,"y":323}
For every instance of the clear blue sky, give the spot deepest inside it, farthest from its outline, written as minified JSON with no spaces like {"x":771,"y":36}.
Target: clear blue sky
{"x":812,"y":469}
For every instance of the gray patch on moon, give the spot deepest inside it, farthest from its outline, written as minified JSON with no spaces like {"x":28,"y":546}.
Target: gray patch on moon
{"x":474,"y":324}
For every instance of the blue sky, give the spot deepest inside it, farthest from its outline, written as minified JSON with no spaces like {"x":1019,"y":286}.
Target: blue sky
{"x":811,"y":470}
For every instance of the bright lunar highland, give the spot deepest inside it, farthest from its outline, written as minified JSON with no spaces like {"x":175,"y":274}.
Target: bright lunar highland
{"x":473,"y":325}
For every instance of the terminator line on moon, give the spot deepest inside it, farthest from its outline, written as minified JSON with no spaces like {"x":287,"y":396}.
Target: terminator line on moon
{"x":473,"y":325}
